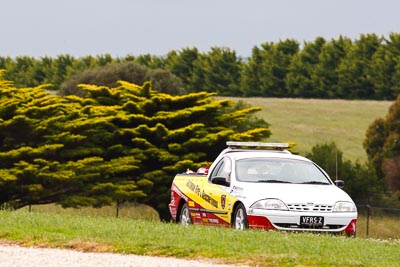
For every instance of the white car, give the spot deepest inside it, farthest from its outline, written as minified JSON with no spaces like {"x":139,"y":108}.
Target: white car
{"x":262,"y":185}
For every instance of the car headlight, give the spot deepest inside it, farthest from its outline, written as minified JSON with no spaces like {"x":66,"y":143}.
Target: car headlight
{"x":344,"y":206}
{"x":269,"y":204}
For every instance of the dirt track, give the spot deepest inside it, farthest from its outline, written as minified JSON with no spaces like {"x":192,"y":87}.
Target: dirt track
{"x":16,"y":256}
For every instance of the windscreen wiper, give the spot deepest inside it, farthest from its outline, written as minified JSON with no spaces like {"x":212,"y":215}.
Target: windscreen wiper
{"x":316,"y":182}
{"x":273,"y":181}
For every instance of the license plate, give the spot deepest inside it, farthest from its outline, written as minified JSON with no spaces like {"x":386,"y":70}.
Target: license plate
{"x":313,"y":221}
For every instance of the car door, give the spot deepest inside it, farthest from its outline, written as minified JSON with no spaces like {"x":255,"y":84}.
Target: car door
{"x":218,"y":194}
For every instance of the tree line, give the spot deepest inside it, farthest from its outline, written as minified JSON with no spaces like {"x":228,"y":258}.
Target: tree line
{"x":365,"y":68}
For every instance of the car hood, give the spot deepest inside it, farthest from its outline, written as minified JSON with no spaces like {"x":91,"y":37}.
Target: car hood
{"x":290,"y":193}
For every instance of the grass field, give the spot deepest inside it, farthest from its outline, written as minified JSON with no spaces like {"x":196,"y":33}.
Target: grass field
{"x":313,"y":121}
{"x":126,"y":211}
{"x":255,"y":248}
{"x":380,"y":226}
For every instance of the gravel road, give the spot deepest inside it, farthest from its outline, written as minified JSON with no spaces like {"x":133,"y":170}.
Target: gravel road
{"x":16,"y":256}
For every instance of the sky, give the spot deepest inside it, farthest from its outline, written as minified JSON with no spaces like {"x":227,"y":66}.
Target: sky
{"x":135,"y":27}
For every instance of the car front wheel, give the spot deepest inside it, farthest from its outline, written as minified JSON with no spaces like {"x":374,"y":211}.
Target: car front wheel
{"x":239,"y":220}
{"x":185,"y":216}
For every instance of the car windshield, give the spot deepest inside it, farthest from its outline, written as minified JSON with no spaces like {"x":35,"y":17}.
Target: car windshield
{"x":278,"y":170}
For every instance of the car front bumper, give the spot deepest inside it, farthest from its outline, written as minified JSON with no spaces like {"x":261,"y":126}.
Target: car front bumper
{"x":334,"y":222}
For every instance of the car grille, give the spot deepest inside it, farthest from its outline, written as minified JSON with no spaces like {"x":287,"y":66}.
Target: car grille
{"x":310,"y":207}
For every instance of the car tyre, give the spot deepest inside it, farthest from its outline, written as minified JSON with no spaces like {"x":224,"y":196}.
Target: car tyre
{"x":239,"y":219}
{"x":184,"y":217}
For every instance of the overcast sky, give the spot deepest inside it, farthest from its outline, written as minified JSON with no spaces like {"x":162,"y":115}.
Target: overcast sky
{"x":133,"y":27}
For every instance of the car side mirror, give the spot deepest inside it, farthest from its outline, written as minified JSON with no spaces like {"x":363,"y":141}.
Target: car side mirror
{"x":339,"y":183}
{"x":220,"y":181}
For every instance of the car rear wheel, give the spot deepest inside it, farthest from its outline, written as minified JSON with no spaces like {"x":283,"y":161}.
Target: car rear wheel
{"x":239,"y":220}
{"x":184,"y":217}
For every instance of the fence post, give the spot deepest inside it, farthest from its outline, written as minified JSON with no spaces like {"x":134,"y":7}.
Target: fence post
{"x":368,"y":215}
{"x":117,"y":209}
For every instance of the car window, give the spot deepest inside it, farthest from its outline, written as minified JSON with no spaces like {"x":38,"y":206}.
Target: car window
{"x":223,"y":169}
{"x":278,"y":170}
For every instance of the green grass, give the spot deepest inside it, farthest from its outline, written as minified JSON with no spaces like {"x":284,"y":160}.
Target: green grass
{"x":132,"y":211}
{"x":256,"y":248}
{"x":380,"y":226}
{"x":313,"y":121}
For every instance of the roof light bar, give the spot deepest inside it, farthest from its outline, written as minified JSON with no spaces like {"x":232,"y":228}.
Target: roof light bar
{"x":233,"y":144}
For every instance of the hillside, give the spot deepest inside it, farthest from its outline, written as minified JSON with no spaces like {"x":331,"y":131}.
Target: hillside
{"x":313,"y":121}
